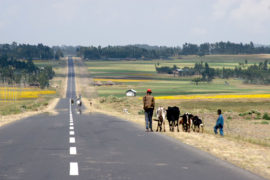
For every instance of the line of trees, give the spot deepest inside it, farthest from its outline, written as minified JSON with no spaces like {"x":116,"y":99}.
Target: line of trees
{"x":156,"y":52}
{"x":254,"y":74}
{"x":126,"y":52}
{"x":200,"y":69}
{"x":223,"y":48}
{"x":24,"y":72}
{"x":30,"y":52}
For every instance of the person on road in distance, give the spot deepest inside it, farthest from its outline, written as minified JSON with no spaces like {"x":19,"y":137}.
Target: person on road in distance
{"x":148,"y":106}
{"x":219,"y":124}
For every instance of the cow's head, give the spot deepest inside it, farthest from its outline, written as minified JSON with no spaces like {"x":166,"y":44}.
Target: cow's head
{"x":161,"y":112}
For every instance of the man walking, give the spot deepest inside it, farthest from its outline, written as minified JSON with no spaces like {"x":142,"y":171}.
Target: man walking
{"x":148,"y":106}
{"x":219,"y":124}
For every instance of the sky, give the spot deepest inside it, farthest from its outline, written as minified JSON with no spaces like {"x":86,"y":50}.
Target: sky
{"x":122,"y":22}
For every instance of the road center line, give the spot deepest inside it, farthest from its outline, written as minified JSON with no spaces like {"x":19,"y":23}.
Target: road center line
{"x":72,"y":150}
{"x":73,"y":169}
{"x":71,"y":132}
{"x":72,"y":140}
{"x":71,"y":127}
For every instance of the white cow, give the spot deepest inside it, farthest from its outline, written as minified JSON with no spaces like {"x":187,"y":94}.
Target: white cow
{"x":161,"y":115}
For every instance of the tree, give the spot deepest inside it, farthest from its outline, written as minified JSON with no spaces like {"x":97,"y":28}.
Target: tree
{"x":197,"y":80}
{"x":58,"y":54}
{"x":43,"y":79}
{"x":17,"y":71}
{"x":265,"y":65}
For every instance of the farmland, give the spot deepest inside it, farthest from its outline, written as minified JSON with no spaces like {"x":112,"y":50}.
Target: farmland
{"x":16,"y":99}
{"x":140,"y":75}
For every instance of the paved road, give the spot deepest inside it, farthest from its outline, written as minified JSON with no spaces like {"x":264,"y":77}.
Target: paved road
{"x":73,"y":146}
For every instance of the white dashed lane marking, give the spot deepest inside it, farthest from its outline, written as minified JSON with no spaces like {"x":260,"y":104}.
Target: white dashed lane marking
{"x":73,"y":166}
{"x":73,"y":169}
{"x":72,"y":140}
{"x":72,"y":150}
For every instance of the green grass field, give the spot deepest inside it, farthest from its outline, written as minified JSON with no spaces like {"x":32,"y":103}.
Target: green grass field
{"x":167,"y":85}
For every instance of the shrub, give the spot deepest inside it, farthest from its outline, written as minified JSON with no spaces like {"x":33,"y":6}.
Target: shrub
{"x":250,"y":113}
{"x":266,"y":116}
{"x":255,"y":112}
{"x":102,"y":100}
{"x":141,"y":112}
{"x":243,"y":114}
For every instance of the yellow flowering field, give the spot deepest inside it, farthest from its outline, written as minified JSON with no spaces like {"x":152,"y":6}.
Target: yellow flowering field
{"x":8,"y":93}
{"x":224,"y":96}
{"x":121,"y":80}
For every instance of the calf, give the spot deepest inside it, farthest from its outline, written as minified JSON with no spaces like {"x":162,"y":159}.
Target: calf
{"x":161,"y":114}
{"x":197,"y":123}
{"x":173,"y":114}
{"x":186,"y":122}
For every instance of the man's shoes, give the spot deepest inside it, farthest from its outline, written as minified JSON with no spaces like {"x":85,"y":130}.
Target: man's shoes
{"x":146,"y":130}
{"x":151,"y":130}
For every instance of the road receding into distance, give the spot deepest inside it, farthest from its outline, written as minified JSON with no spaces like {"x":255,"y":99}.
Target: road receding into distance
{"x":71,"y":145}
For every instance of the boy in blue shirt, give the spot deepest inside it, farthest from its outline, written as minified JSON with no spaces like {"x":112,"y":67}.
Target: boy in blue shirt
{"x":219,"y":124}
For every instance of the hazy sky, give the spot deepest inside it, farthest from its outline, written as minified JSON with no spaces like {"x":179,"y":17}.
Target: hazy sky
{"x":121,"y":22}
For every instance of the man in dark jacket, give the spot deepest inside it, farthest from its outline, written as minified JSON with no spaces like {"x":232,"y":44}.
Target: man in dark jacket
{"x":148,"y":106}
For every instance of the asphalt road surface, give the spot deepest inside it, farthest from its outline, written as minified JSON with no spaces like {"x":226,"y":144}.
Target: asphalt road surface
{"x":83,"y":146}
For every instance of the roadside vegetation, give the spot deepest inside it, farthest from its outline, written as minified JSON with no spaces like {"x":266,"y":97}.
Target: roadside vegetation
{"x":27,"y":84}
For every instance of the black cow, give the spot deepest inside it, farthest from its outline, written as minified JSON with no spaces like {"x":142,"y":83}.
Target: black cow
{"x":197,"y":123}
{"x":173,"y":114}
{"x":186,"y":122}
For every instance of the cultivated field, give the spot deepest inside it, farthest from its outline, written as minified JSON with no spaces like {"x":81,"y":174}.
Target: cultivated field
{"x":140,"y":75}
{"x":245,"y":107}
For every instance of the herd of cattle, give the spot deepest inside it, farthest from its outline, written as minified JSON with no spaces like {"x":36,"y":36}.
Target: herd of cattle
{"x":188,"y":121}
